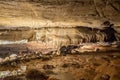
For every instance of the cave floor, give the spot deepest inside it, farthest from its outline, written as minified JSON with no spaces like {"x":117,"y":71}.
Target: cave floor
{"x":81,"y":67}
{"x":98,"y":66}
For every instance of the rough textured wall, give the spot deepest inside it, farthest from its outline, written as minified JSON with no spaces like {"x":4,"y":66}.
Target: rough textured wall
{"x":62,"y":13}
{"x":59,"y":36}
{"x":38,"y":14}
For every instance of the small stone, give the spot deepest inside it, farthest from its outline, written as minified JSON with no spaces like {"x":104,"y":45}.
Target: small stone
{"x":75,"y":65}
{"x":23,"y":68}
{"x":57,"y":53}
{"x":48,"y":72}
{"x":52,"y":78}
{"x":1,"y":60}
{"x":48,"y":67}
{"x":36,"y":75}
{"x":45,"y":58}
{"x":105,"y":77}
{"x":14,"y":64}
{"x":19,"y":72}
{"x":74,"y":51}
{"x":13,"y":56}
{"x":14,"y":72}
{"x":65,"y":65}
{"x":6,"y":59}
{"x":82,"y":79}
{"x":63,"y":50}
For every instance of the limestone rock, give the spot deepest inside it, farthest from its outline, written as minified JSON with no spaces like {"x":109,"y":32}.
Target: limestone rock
{"x":1,"y":60}
{"x":44,"y":13}
{"x":13,"y":56}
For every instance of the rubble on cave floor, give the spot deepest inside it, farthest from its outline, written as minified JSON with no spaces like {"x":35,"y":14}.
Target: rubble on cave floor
{"x":78,"y":65}
{"x":73,"y":67}
{"x":31,"y":52}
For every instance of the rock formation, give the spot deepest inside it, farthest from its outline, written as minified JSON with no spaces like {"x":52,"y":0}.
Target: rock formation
{"x":58,"y":22}
{"x":62,"y":13}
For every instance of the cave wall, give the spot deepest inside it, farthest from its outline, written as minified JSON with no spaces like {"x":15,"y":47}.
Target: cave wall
{"x":55,"y":21}
{"x":57,"y":37}
{"x":64,"y":36}
{"x":60,"y":13}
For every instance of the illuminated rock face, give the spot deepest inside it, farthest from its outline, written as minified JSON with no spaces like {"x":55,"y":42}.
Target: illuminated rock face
{"x":55,"y":21}
{"x":62,"y":13}
{"x":65,"y":36}
{"x":57,"y":36}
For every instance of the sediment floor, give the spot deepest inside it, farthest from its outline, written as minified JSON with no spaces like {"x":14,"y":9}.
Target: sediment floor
{"x":89,"y":66}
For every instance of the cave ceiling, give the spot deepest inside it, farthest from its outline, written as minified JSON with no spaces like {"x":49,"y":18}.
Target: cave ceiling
{"x":60,"y":13}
